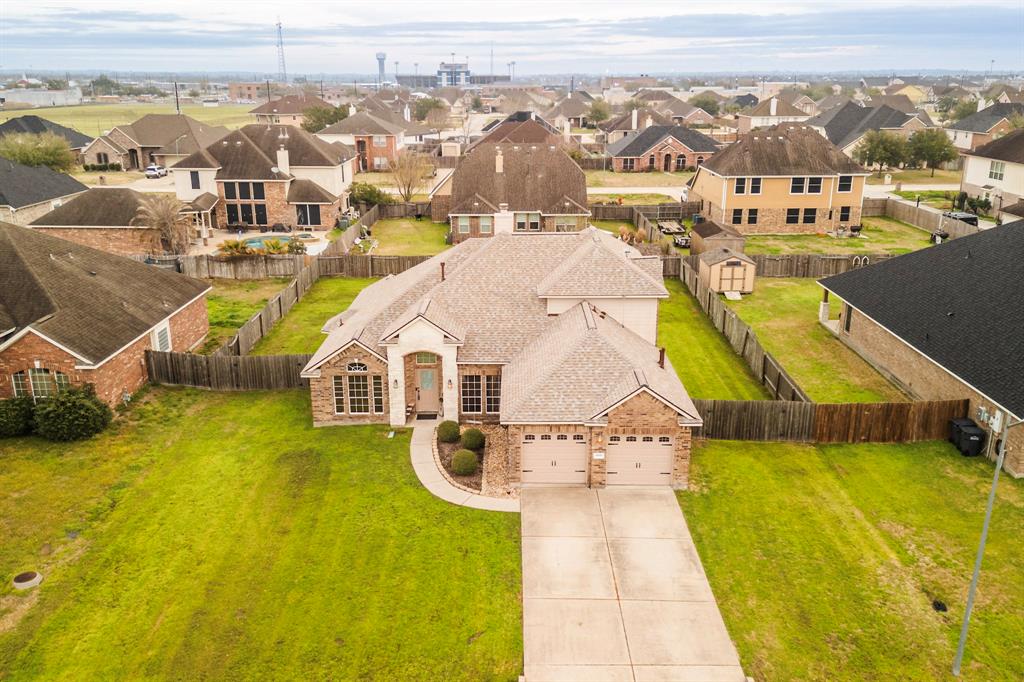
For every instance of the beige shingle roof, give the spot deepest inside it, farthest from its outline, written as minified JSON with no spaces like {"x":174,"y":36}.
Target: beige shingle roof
{"x":596,"y":271}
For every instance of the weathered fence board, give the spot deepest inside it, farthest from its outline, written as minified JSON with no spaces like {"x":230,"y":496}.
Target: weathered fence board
{"x":756,"y":420}
{"x":357,"y":265}
{"x":227,"y":373}
{"x":245,"y":267}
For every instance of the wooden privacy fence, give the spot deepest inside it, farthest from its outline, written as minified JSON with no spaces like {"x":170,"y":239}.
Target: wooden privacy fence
{"x":246,"y":267}
{"x":344,"y":243}
{"x":828,"y":422}
{"x":743,"y":340}
{"x":227,"y":372}
{"x":923,"y":217}
{"x":358,"y":265}
{"x":794,"y":264}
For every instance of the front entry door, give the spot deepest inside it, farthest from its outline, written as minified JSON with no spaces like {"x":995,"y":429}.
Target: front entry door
{"x":427,"y":399}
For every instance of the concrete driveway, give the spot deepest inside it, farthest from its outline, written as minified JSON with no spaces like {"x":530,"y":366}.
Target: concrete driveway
{"x":614,"y":591}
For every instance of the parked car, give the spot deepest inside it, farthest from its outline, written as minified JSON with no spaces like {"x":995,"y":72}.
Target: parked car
{"x":962,"y":216}
{"x":155,"y":171}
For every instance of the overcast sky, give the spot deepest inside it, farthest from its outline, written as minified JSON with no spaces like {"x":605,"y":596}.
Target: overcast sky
{"x":593,"y":36}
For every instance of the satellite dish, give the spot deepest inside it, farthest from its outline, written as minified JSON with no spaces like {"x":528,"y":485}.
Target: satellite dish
{"x":275,"y":169}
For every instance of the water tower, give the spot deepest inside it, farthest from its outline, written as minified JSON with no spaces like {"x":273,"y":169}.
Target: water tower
{"x":380,"y":67}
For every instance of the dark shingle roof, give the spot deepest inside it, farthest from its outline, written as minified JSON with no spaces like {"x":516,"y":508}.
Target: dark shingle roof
{"x":27,"y":185}
{"x":529,"y":131}
{"x":290,"y":104}
{"x":173,"y":133}
{"x":362,"y":123}
{"x":958,"y":303}
{"x":1009,"y":147}
{"x":91,"y":302}
{"x":36,"y":124}
{"x":637,"y":145}
{"x":303,"y":191}
{"x":982,"y":121}
{"x":1015,"y":209}
{"x":709,"y":228}
{"x":533,"y":178}
{"x":99,"y":206}
{"x":625,"y":121}
{"x":783,"y":149}
{"x":847,"y":123}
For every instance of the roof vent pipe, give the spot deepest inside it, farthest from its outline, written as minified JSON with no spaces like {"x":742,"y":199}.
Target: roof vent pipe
{"x":661,"y":357}
{"x":442,"y":271}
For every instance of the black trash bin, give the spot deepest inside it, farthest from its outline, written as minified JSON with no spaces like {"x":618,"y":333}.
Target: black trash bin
{"x":955,"y":425}
{"x":972,"y":440}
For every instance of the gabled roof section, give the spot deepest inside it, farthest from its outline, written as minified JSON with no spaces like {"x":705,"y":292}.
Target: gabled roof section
{"x":290,"y":105}
{"x":846,"y":124}
{"x":986,"y":119}
{"x":97,"y":206}
{"x":362,"y":123}
{"x":639,"y":144}
{"x":957,"y":303}
{"x":433,"y":312}
{"x":22,"y":185}
{"x":35,"y":125}
{"x":570,"y":107}
{"x":473,"y":205}
{"x":596,"y":271}
{"x":174,"y":131}
{"x":304,"y":191}
{"x":782,"y":108}
{"x":625,"y":121}
{"x":783,"y":149}
{"x":1009,"y":147}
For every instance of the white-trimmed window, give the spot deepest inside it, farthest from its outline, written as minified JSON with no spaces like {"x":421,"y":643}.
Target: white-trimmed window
{"x":339,"y":395}
{"x":486,"y":224}
{"x":39,"y":382}
{"x":755,"y":185}
{"x":307,"y":214}
{"x":814,"y":185}
{"x":356,"y":366}
{"x":810,"y":215}
{"x":845,"y":183}
{"x":377,"y":383}
{"x":527,"y":222}
{"x":578,"y":437}
{"x":792,"y":216}
{"x":996,"y":170}
{"x":741,"y":186}
{"x":381,"y":163}
{"x":424,"y":358}
{"x":472,"y":393}
{"x":797,"y":185}
{"x":492,"y":382}
{"x":161,"y":336}
{"x":463,"y":224}
{"x":380,"y":141}
{"x":358,"y":394}
{"x":21,"y":386}
{"x":737,"y":216}
{"x":751,"y":216}
{"x":628,"y":164}
{"x":566,"y":223}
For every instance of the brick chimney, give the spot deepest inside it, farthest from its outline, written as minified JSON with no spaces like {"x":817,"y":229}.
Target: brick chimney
{"x":773,"y":106}
{"x":634,"y":122}
{"x":499,"y":162}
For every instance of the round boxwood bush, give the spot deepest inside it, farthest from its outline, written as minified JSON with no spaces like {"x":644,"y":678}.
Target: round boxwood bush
{"x":448,"y":432}
{"x":72,"y":414}
{"x":16,"y":417}
{"x":464,"y":462}
{"x":472,"y":439}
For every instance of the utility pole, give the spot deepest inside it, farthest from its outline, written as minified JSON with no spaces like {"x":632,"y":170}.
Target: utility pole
{"x":177,"y":103}
{"x":268,"y":90}
{"x":491,"y":72}
{"x":1003,"y":434}
{"x":321,"y":88}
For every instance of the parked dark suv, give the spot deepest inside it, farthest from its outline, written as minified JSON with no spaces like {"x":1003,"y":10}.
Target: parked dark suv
{"x":962,"y":216}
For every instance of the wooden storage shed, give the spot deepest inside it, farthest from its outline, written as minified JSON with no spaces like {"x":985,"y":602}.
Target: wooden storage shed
{"x":725,"y":271}
{"x":707,"y":236}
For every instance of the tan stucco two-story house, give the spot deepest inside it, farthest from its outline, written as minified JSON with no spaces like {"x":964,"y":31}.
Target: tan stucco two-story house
{"x":552,"y":336}
{"x":786,"y":179}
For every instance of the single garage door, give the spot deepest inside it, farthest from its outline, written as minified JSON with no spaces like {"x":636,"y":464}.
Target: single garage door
{"x":640,"y":460}
{"x":554,"y":458}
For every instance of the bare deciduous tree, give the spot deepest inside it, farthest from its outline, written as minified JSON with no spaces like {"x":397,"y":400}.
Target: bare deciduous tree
{"x":162,"y":212}
{"x":409,"y":170}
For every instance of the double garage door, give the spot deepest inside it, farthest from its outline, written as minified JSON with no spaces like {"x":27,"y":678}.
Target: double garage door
{"x":640,"y":460}
{"x":560,"y":458}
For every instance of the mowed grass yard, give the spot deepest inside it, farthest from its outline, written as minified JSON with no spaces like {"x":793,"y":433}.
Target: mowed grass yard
{"x":409,"y":237}
{"x":783,"y":312}
{"x":880,"y":235}
{"x":603,"y":178}
{"x":220,"y":536}
{"x":631,"y":199}
{"x":703,"y":359}
{"x":299,"y":330}
{"x":918,"y":176}
{"x":825,"y":560}
{"x":232,"y":302}
{"x":95,"y":119}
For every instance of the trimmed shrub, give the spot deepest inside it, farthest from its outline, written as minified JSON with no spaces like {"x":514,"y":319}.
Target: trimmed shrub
{"x":448,"y":432}
{"x":16,"y":417}
{"x":472,"y":439}
{"x":72,"y":414}
{"x":464,"y":462}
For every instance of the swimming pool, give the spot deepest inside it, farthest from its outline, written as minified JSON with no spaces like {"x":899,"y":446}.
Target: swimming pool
{"x":258,"y":242}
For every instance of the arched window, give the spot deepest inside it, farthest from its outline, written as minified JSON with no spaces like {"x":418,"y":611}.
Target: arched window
{"x":356,"y":366}
{"x":651,"y":161}
{"x":680,"y":163}
{"x":39,"y":382}
{"x":700,"y":160}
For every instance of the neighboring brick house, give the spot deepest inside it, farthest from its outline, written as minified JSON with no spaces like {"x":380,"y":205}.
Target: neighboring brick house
{"x":661,"y":148}
{"x":376,"y":141}
{"x":103,"y":218}
{"x":163,"y":139}
{"x":72,"y":315}
{"x":846,"y":125}
{"x":514,"y":188}
{"x":630,"y":123}
{"x":35,"y":125}
{"x":995,"y":171}
{"x":683,"y":113}
{"x":27,"y":192}
{"x":573,"y":110}
{"x":787,"y":179}
{"x":945,"y":323}
{"x":288,"y":110}
{"x":265,"y":175}
{"x":551,"y":336}
{"x":767,"y":113}
{"x":982,"y":127}
{"x":799,"y":100}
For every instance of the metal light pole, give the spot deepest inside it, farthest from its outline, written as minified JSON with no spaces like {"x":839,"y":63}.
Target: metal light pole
{"x":1004,"y":433}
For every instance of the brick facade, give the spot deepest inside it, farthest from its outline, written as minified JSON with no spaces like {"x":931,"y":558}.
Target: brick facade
{"x":547,"y":224}
{"x":278,"y":208}
{"x":919,"y":376}
{"x":122,"y":374}
{"x":367,"y":153}
{"x":322,"y":388}
{"x":123,"y":241}
{"x":26,"y":214}
{"x":92,"y":154}
{"x":670,"y":147}
{"x":773,"y":220}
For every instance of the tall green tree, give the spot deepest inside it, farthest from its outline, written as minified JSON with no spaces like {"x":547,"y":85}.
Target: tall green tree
{"x":422,"y":108}
{"x":599,"y":111}
{"x":933,"y":147}
{"x":707,"y":103}
{"x":884,"y":149}
{"x":315,"y":119}
{"x":42,"y":149}
{"x":963,"y":109}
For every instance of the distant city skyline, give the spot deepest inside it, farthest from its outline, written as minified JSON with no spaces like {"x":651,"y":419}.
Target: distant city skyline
{"x":592,"y":37}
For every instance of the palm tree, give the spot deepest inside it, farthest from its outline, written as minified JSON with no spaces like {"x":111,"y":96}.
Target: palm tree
{"x":234,"y":247}
{"x":162,"y":212}
{"x":274,"y":247}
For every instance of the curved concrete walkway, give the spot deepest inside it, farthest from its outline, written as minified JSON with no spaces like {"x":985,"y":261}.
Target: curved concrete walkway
{"x":422,"y":453}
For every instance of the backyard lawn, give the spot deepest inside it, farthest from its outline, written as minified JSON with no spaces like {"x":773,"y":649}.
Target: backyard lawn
{"x":702,"y":357}
{"x":299,"y":331}
{"x":232,"y":302}
{"x":409,"y":237}
{"x":825,"y":561}
{"x":109,"y":177}
{"x":602,"y":178}
{"x":919,"y":176}
{"x":220,"y":536}
{"x":784,"y":314}
{"x":631,"y":199}
{"x":880,"y":235}
{"x":940,"y":199}
{"x":96,"y":119}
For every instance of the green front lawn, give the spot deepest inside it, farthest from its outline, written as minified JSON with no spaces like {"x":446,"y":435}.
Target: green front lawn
{"x":376,"y":178}
{"x":918,"y":177}
{"x":880,"y":235}
{"x":940,"y":199}
{"x":631,"y":199}
{"x":220,"y":536}
{"x":703,"y":359}
{"x":409,"y":237}
{"x":783,"y":312}
{"x":603,"y":178}
{"x":298,"y":331}
{"x":825,"y":560}
{"x":232,"y":303}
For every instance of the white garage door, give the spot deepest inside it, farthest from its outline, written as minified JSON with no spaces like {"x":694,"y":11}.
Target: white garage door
{"x":640,"y":460}
{"x":554,"y":458}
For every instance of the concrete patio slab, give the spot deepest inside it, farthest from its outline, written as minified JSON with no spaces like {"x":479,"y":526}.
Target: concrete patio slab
{"x":650,"y":512}
{"x":572,"y":673}
{"x":582,"y":632}
{"x":677,"y":633}
{"x":658,"y":569}
{"x":688,"y":673}
{"x":576,"y":568}
{"x":561,"y":512}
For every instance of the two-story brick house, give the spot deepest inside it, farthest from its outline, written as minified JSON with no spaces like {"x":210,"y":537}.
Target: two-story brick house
{"x":163,"y":139}
{"x":265,"y":175}
{"x":71,"y":315}
{"x":661,"y":148}
{"x":786,"y":179}
{"x":288,"y":110}
{"x":513,"y":188}
{"x":375,"y":140}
